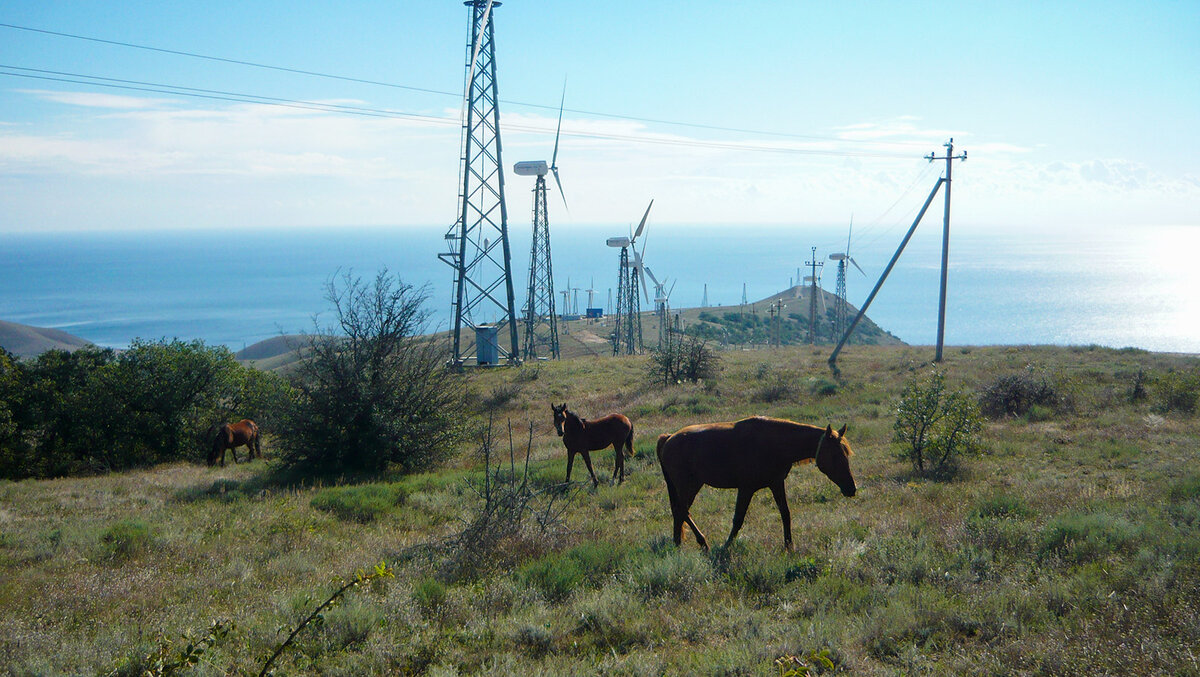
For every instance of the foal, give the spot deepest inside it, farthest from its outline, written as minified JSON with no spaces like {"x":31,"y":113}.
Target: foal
{"x":581,"y":436}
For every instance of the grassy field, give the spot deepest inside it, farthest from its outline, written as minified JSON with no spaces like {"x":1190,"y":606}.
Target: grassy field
{"x":1072,"y":546}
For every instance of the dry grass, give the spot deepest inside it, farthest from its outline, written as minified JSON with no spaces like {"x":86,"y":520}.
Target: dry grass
{"x":1073,"y":547}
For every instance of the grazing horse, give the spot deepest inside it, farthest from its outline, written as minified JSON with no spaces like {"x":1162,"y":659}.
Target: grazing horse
{"x":581,"y":436}
{"x":233,"y":435}
{"x":747,"y":455}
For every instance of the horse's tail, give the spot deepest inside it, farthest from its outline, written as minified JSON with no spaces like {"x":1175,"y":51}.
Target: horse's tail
{"x":672,"y":495}
{"x":629,"y":441}
{"x":256,"y":449}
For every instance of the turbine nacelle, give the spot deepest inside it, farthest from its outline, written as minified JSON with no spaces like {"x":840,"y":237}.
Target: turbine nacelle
{"x":531,"y":168}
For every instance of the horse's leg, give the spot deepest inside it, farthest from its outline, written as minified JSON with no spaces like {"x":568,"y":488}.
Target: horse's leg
{"x":570,"y":462}
{"x":619,"y":463}
{"x":777,"y":490}
{"x":587,"y":459}
{"x":739,"y":512}
{"x":687,"y":495}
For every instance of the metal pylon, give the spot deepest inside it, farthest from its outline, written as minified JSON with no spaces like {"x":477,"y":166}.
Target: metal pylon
{"x":541,"y":325}
{"x":477,"y":244}
{"x":840,"y":307}
{"x":627,"y":330}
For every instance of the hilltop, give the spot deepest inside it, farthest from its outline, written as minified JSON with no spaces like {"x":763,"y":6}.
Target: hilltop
{"x":723,"y":326}
{"x":23,"y":340}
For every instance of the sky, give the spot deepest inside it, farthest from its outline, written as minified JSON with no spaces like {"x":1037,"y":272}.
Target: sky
{"x":1073,"y":115}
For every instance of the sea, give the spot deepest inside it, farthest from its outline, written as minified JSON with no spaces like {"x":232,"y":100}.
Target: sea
{"x":1063,"y":285}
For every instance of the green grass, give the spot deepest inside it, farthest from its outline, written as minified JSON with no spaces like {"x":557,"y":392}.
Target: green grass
{"x":1072,"y":546}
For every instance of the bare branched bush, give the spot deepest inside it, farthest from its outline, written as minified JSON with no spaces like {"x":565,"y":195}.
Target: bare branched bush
{"x":1025,"y":391}
{"x":512,"y":518}
{"x":682,"y":358}
{"x":372,"y":392}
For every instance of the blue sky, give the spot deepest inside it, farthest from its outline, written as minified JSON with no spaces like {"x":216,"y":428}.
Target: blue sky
{"x":1074,"y":114}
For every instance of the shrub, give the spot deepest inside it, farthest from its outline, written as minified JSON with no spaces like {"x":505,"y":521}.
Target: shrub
{"x":372,"y":394}
{"x":1001,"y":506}
{"x":125,"y":539}
{"x":429,"y":595}
{"x":1022,"y":393}
{"x":823,"y":387}
{"x":94,"y":410}
{"x":933,"y":426}
{"x":778,"y":388}
{"x":682,"y":358}
{"x":1177,"y":391}
{"x":1083,"y":537}
{"x":360,"y":504}
{"x":556,"y":576}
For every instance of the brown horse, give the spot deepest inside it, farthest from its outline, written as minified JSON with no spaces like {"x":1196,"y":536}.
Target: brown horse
{"x":747,"y":455}
{"x":581,"y":436}
{"x":233,"y":435}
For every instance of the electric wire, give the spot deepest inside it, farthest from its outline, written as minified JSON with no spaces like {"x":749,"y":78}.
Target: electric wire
{"x":221,"y":95}
{"x":299,"y":71}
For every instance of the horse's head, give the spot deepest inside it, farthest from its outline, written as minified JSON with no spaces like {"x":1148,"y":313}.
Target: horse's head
{"x":833,"y":459}
{"x":217,"y":434}
{"x":560,"y":417}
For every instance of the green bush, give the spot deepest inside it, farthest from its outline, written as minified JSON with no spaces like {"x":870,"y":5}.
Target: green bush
{"x":94,"y":410}
{"x":555,"y":575}
{"x":125,"y":539}
{"x":371,"y":393}
{"x":1085,"y":537}
{"x":360,"y":504}
{"x":1177,"y":391}
{"x":429,"y":595}
{"x":935,"y":427}
{"x":1001,"y":506}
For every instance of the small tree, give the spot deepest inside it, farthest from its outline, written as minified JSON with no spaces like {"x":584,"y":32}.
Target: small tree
{"x":370,"y":391}
{"x":682,"y":358}
{"x":934,"y":428}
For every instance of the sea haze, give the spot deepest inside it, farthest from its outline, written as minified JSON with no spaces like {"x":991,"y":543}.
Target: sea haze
{"x":1132,"y":287}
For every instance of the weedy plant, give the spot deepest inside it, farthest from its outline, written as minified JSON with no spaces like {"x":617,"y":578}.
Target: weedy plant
{"x":933,"y":427}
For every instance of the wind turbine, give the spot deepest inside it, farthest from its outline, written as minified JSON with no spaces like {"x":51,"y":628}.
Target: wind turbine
{"x":841,"y":307}
{"x":627,"y":337}
{"x":541,"y":326}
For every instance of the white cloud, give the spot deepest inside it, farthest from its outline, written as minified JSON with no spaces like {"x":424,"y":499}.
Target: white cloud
{"x":98,"y":100}
{"x":273,"y":165}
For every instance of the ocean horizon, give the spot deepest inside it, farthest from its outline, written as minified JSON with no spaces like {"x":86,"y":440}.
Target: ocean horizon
{"x":1010,"y":286}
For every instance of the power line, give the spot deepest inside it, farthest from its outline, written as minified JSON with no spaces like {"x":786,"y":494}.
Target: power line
{"x":456,"y":95}
{"x":238,"y":97}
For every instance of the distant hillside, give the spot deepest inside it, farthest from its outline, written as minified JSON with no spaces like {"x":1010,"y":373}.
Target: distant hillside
{"x":23,"y":340}
{"x":720,"y":324}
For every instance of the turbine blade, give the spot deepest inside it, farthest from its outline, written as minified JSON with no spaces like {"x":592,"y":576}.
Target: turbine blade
{"x":560,"y":190}
{"x":642,"y":274}
{"x":642,"y":225}
{"x":857,"y":266}
{"x":651,"y":274}
{"x":554,"y":158}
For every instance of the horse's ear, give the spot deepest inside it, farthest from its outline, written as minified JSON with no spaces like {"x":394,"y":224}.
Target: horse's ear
{"x":829,"y":431}
{"x":842,"y":432}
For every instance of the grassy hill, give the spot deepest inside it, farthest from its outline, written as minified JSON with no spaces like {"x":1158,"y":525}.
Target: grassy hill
{"x":583,"y":337}
{"x":1071,"y":547}
{"x":25,"y":341}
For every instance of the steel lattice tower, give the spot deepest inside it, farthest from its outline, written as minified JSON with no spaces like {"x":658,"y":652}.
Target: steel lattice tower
{"x":541,"y":325}
{"x":840,"y":304}
{"x":627,"y":332}
{"x":478,"y":248}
